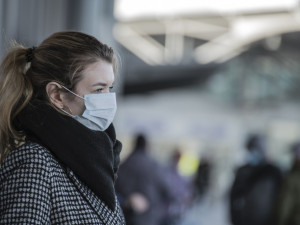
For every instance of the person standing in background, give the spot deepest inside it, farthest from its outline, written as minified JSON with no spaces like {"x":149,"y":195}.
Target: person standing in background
{"x":288,"y":205}
{"x":255,"y":187}
{"x":202,"y":178}
{"x":58,"y":148}
{"x":181,"y":190}
{"x":142,"y":186}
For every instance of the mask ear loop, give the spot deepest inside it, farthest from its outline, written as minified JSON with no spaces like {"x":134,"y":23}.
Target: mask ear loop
{"x":72,"y":92}
{"x":70,"y":114}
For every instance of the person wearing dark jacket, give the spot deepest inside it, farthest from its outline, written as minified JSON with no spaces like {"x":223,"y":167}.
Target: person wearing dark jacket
{"x":255,"y":187}
{"x":288,"y":205}
{"x":143,"y":186}
{"x":59,"y":153}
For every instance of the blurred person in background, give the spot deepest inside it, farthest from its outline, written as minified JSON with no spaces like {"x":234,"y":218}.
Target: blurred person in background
{"x":255,"y":188}
{"x":288,"y":205}
{"x":202,"y":178}
{"x":59,"y":153}
{"x":180,"y":188}
{"x":142,"y":186}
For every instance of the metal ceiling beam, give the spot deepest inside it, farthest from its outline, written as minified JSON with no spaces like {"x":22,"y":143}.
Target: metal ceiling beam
{"x":220,"y":37}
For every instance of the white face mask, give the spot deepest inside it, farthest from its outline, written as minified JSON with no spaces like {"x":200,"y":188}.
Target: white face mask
{"x":100,"y":110}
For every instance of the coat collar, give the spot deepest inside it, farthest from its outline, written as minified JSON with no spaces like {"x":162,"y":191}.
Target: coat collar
{"x":106,"y":215}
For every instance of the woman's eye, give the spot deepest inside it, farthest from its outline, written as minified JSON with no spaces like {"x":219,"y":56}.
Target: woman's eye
{"x":99,"y":90}
{"x":103,"y":89}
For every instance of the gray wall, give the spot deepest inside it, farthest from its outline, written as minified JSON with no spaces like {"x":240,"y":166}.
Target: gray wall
{"x":31,"y":21}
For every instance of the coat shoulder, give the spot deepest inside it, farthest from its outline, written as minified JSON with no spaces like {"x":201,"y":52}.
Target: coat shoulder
{"x":29,"y":153}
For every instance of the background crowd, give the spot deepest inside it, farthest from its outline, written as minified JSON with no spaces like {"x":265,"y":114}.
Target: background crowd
{"x":157,"y":193}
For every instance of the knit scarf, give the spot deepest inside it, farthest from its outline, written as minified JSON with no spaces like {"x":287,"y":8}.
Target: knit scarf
{"x":92,"y":155}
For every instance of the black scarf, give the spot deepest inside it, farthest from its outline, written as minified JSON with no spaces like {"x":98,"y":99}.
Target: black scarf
{"x":92,"y":155}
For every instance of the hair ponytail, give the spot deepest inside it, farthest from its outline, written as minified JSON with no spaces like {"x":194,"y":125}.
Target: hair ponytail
{"x":15,"y":93}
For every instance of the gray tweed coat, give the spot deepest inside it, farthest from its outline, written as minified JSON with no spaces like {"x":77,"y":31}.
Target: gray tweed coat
{"x":36,"y":189}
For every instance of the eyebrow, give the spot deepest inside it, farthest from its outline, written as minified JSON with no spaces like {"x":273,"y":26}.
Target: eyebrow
{"x":99,"y":84}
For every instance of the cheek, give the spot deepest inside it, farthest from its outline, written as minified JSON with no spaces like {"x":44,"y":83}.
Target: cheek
{"x":77,"y":106}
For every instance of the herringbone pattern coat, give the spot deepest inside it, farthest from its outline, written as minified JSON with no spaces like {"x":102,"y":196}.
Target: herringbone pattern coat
{"x":36,"y":189}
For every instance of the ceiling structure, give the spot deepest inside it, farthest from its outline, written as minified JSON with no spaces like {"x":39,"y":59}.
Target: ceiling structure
{"x":188,"y":32}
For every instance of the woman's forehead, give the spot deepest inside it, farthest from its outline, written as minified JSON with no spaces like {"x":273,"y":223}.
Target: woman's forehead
{"x":100,"y":72}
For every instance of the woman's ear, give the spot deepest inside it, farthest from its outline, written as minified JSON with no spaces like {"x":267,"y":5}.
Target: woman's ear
{"x":54,"y":94}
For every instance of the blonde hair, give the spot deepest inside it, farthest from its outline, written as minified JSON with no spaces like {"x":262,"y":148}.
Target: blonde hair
{"x":61,"y":57}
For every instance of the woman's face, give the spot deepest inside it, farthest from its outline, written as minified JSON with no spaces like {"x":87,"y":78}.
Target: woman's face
{"x":97,"y":78}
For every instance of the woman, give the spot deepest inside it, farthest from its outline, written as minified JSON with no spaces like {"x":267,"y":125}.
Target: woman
{"x":59,"y":153}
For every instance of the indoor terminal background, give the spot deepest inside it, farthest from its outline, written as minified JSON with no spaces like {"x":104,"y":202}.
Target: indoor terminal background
{"x":197,"y":75}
